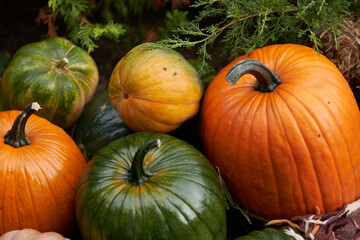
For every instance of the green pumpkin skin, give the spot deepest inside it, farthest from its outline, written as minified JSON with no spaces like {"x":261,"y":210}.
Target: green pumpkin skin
{"x":98,"y":125}
{"x":182,"y":200}
{"x":62,"y":91}
{"x":3,"y":106}
{"x":266,"y":234}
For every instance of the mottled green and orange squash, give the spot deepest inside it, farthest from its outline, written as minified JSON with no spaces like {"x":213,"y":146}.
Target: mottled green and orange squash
{"x":284,"y":132}
{"x":54,"y":72}
{"x":155,"y":89}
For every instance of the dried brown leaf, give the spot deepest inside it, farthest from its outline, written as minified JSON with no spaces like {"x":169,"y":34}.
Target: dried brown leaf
{"x":343,"y":224}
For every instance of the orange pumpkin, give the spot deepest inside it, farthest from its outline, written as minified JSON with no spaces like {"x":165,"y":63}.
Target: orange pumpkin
{"x":31,"y":234}
{"x":40,"y":166}
{"x":154,"y":89}
{"x":285,"y":135}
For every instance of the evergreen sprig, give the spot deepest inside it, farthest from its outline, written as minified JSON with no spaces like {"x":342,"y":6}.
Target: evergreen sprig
{"x":242,"y":26}
{"x":76,"y":13}
{"x":89,"y":32}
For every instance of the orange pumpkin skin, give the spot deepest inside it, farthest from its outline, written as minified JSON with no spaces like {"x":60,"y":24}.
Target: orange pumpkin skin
{"x":31,"y":234}
{"x":286,"y":152}
{"x":154,"y":89}
{"x":38,"y":181}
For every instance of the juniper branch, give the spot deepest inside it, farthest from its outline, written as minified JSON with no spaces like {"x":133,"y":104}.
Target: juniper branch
{"x":262,"y":22}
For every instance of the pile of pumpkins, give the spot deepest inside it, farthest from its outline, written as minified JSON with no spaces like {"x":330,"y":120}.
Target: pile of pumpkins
{"x":281,"y":127}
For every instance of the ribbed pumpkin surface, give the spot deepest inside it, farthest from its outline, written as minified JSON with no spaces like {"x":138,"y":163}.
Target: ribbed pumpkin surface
{"x":62,"y":91}
{"x":98,"y":125}
{"x":284,"y":153}
{"x":154,"y":89}
{"x":181,"y":200}
{"x":38,"y":181}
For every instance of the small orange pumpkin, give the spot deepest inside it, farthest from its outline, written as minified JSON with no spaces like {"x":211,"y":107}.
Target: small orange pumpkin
{"x":40,"y":166}
{"x":154,"y":89}
{"x":31,"y":234}
{"x":284,"y":133}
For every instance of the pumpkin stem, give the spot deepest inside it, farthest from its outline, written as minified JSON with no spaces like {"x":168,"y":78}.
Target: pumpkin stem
{"x":267,"y":80}
{"x":61,"y":63}
{"x":138,"y":174}
{"x":16,"y":137}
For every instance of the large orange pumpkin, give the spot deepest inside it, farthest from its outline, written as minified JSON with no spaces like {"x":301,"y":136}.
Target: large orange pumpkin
{"x":40,"y":166}
{"x":286,"y":141}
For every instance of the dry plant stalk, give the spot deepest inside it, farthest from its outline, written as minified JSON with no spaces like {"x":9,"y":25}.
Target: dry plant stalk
{"x":47,"y":17}
{"x":347,"y":55}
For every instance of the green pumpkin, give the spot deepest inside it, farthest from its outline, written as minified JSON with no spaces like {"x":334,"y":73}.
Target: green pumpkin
{"x":4,"y":61}
{"x":3,"y":106}
{"x":266,"y":234}
{"x":133,"y":189}
{"x":54,"y":72}
{"x":98,"y":125}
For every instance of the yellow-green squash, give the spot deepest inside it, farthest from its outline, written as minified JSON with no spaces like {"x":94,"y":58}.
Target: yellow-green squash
{"x":155,"y":89}
{"x":54,"y":72}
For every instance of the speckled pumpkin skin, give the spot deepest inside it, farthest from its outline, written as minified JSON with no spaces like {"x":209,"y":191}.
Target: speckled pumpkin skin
{"x":155,"y":89}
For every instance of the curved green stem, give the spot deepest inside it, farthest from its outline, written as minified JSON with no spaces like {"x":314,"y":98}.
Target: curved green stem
{"x":138,"y":174}
{"x":267,"y":80}
{"x":16,"y":137}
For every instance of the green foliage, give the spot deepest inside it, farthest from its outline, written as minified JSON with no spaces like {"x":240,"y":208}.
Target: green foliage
{"x":123,"y":8}
{"x":134,"y":36}
{"x":173,"y":19}
{"x":76,"y":15}
{"x":90,"y":32}
{"x":69,"y":8}
{"x":355,"y":5}
{"x":242,"y":26}
{"x":206,"y":71}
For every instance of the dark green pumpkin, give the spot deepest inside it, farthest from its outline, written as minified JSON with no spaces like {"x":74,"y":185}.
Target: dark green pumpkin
{"x":169,"y":192}
{"x":54,"y":72}
{"x":4,"y":61}
{"x":266,"y":234}
{"x":3,"y":106}
{"x":98,"y":125}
